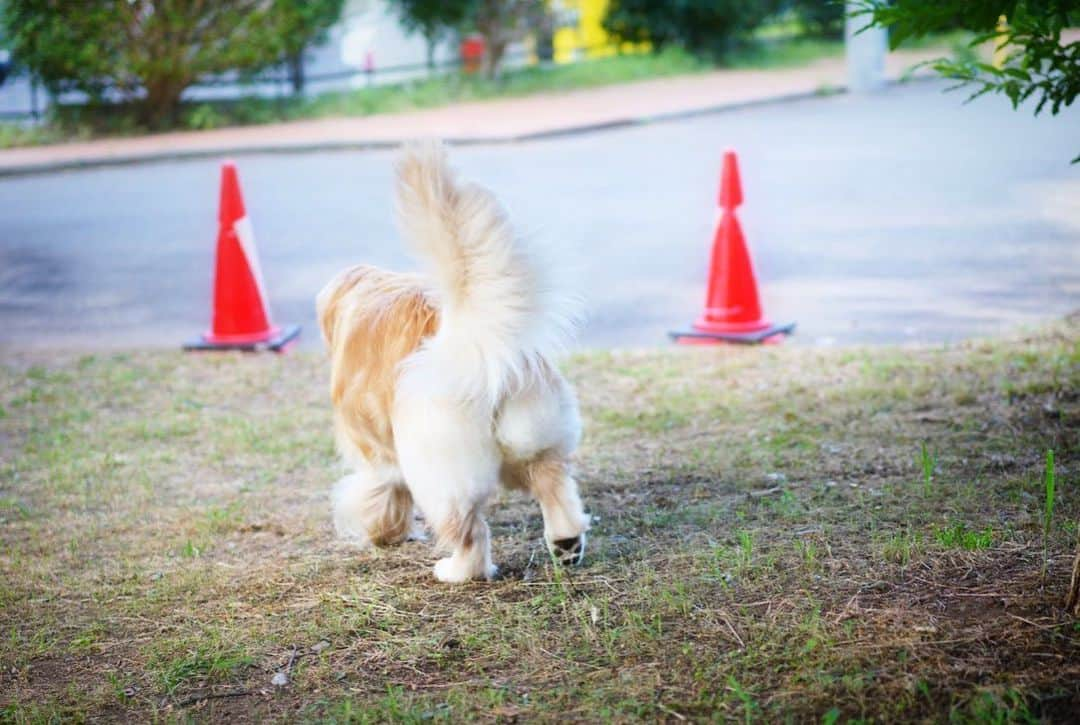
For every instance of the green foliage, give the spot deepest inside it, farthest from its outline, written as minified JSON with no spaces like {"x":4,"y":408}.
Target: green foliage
{"x":704,"y":27}
{"x":151,"y":51}
{"x":824,"y":18}
{"x":17,"y":134}
{"x":434,"y":19}
{"x":300,"y":24}
{"x":303,"y":23}
{"x":500,"y":22}
{"x":1036,"y":64}
{"x":204,"y":117}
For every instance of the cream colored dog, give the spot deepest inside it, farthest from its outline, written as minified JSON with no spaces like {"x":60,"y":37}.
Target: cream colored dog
{"x":443,"y":389}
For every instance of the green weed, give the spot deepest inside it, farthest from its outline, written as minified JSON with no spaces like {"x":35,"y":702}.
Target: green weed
{"x":200,"y":664}
{"x":958,"y":536}
{"x":928,"y":464}
{"x":903,"y":546}
{"x":1050,"y":485}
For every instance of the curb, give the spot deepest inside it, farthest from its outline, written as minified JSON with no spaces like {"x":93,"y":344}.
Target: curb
{"x":77,"y":164}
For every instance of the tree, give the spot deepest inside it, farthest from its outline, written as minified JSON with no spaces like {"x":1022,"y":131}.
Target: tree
{"x":300,"y":25}
{"x":6,"y":64}
{"x":1036,"y":65}
{"x":704,"y":27}
{"x":433,"y":19}
{"x":151,"y":51}
{"x":823,"y":18}
{"x":501,"y":22}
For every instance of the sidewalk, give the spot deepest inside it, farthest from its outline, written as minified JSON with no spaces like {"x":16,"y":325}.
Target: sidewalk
{"x":494,"y":121}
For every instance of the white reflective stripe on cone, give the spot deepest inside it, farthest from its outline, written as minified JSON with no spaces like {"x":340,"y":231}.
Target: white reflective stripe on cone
{"x":245,"y":234}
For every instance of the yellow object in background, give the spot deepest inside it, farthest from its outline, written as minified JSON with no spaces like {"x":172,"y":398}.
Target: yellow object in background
{"x":580,"y":31}
{"x":1001,"y":53}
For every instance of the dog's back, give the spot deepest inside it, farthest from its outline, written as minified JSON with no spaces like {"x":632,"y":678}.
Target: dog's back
{"x":371,"y":320}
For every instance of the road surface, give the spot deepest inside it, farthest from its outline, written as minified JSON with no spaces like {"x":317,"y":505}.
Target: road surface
{"x":903,"y":216}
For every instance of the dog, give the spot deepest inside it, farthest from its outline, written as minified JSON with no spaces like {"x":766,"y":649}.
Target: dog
{"x":444,"y":386}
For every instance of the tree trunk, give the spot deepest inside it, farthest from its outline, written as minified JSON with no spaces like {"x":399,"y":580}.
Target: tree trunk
{"x":493,"y":57}
{"x":501,"y":23}
{"x":295,"y":62}
{"x":162,"y":102}
{"x":431,"y":40}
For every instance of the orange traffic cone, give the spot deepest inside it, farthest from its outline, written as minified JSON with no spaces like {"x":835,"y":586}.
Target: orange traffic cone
{"x":241,"y":316}
{"x":732,"y":309}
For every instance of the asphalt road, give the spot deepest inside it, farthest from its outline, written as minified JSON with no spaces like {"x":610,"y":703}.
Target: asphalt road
{"x":895,"y":217}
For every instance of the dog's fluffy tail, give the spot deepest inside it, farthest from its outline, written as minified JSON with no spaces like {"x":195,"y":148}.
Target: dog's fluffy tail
{"x":499,"y":312}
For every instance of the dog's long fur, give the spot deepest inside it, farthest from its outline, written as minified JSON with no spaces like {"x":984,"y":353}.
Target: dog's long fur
{"x":443,"y":386}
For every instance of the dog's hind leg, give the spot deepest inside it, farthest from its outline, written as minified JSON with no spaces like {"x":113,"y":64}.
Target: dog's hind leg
{"x":548,"y":479}
{"x":451,"y":465}
{"x":468,"y":535}
{"x":459,"y":527}
{"x":538,"y":429}
{"x":373,"y":506}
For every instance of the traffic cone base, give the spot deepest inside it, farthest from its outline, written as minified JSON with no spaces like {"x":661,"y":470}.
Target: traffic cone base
{"x":276,"y":340}
{"x":240,"y":339}
{"x":769,"y":335}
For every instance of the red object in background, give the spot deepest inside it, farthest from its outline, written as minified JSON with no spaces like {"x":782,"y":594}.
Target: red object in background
{"x":732,"y":309}
{"x":241,"y":316}
{"x":472,"y":53}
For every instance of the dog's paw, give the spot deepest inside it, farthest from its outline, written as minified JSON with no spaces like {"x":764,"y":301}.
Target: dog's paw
{"x":569,"y":551}
{"x":455,"y":571}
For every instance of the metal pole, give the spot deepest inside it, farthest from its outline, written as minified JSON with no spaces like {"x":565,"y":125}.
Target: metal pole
{"x":865,"y":52}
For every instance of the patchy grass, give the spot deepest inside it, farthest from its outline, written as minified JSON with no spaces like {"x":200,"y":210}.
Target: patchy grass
{"x":14,"y":134}
{"x":958,"y":536}
{"x":766,"y":546}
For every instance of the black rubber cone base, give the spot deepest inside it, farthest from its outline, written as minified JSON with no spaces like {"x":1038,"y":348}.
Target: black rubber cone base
{"x":275,"y":344}
{"x":739,"y":338}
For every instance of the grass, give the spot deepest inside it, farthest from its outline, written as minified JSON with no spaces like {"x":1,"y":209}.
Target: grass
{"x":767,"y":553}
{"x":441,"y":90}
{"x":13,"y":134}
{"x":958,"y":535}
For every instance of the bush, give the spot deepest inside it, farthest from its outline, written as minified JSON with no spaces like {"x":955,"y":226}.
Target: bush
{"x":704,"y":27}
